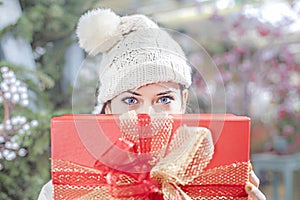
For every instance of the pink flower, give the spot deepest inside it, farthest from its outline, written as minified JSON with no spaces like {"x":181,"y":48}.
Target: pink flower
{"x":274,"y":63}
{"x":229,"y":57}
{"x":263,"y":30}
{"x":239,"y":50}
{"x":235,"y":24}
{"x":282,"y":113}
{"x":218,"y":60}
{"x":288,"y":130}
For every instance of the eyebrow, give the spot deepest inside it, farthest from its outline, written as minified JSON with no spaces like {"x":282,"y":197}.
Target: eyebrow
{"x":161,"y":93}
{"x":131,"y":92}
{"x":166,"y":92}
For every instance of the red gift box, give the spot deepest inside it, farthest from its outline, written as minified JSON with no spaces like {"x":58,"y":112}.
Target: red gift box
{"x":79,"y":143}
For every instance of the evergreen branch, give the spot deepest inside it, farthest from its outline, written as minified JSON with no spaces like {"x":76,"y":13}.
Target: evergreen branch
{"x":46,"y":80}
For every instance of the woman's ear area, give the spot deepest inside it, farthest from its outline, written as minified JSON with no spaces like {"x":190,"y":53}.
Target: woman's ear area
{"x":185,"y":95}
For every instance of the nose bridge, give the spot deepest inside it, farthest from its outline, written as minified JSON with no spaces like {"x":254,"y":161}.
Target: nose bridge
{"x":148,"y":108}
{"x":145,"y":108}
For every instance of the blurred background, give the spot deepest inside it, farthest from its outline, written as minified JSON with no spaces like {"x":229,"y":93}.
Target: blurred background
{"x":254,"y":44}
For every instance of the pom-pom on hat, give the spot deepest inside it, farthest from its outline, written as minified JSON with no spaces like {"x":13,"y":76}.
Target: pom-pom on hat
{"x":135,"y":52}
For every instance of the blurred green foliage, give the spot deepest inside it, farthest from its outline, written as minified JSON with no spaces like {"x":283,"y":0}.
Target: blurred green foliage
{"x":49,"y":26}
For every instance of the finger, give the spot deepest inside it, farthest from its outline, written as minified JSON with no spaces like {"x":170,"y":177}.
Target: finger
{"x":254,"y":179}
{"x":254,"y":192}
{"x":252,"y":176}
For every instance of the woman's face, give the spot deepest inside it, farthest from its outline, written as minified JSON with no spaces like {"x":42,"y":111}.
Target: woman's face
{"x":152,"y":98}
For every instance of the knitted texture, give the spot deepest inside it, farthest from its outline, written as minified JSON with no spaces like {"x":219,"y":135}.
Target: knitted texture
{"x":136,"y":54}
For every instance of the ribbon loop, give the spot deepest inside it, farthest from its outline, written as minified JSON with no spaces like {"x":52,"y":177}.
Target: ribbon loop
{"x":189,"y":153}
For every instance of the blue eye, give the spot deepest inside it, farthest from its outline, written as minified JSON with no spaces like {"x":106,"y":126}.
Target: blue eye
{"x":165,"y":99}
{"x":130,"y":100}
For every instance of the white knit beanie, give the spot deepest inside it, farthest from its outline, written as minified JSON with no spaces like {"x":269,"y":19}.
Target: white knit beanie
{"x":135,"y":52}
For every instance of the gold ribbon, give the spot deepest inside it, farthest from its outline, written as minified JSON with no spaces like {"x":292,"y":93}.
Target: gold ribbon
{"x":189,"y":153}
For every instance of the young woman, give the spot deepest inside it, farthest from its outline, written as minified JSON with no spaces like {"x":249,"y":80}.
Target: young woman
{"x":142,"y":69}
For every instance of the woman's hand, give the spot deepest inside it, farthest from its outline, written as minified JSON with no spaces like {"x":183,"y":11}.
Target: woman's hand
{"x":252,"y":187}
